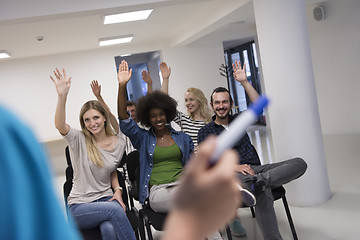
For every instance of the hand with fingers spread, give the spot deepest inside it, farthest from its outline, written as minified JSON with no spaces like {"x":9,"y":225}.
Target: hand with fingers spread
{"x":146,"y":77}
{"x":240,"y":76}
{"x":239,"y":72}
{"x":96,"y":88}
{"x":124,"y":74}
{"x":165,"y":73}
{"x":207,"y":198}
{"x":62,"y":82}
{"x":165,"y":70}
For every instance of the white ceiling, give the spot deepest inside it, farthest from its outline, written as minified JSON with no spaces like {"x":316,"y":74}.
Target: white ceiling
{"x":69,"y":26}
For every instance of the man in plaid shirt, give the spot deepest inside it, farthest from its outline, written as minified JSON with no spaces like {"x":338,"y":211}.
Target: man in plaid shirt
{"x":255,"y":177}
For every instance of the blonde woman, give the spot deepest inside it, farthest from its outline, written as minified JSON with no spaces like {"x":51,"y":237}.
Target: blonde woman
{"x":95,"y":152}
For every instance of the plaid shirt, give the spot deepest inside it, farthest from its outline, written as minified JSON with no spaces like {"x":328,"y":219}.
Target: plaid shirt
{"x":246,"y":150}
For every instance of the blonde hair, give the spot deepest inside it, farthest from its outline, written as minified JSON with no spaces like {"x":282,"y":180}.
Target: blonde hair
{"x":205,"y":111}
{"x":92,"y":150}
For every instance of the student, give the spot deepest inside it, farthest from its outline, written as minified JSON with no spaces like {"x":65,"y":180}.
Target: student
{"x":163,"y":151}
{"x":257,"y":178}
{"x":207,"y":198}
{"x":95,"y":152}
{"x":198,"y":111}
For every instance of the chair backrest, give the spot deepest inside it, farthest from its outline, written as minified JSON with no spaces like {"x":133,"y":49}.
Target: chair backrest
{"x":132,"y":162}
{"x":69,"y":177}
{"x":133,"y":166}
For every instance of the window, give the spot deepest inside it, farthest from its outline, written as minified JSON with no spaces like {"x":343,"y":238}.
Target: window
{"x":244,"y":53}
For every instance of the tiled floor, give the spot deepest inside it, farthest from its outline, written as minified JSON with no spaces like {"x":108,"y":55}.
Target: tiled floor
{"x":338,"y":218}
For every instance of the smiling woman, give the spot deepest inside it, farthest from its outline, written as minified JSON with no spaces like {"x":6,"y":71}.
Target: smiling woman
{"x":163,"y":151}
{"x":95,"y":199}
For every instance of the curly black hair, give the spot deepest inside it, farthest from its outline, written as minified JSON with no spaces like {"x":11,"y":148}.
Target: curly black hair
{"x":155,"y":99}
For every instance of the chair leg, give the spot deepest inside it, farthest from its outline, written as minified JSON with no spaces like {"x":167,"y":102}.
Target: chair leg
{"x":148,"y":228}
{"x":291,"y":223}
{"x":252,"y":212}
{"x":228,"y":233}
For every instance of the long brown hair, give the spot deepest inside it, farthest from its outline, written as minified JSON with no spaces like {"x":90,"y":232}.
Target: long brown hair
{"x":92,"y":150}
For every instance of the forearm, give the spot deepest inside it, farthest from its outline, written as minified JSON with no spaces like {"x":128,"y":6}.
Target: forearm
{"x":149,"y":88}
{"x":113,"y":121}
{"x":60,"y":116}
{"x":165,"y":85}
{"x":114,"y":180}
{"x":250,"y":90}
{"x":122,"y":113}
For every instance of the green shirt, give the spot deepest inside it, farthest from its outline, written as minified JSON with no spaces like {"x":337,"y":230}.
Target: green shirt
{"x":167,"y":165}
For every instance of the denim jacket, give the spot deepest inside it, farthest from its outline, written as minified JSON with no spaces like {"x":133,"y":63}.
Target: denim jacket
{"x":145,"y":141}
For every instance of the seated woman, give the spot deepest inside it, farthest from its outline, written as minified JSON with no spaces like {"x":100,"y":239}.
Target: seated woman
{"x":95,"y":152}
{"x":163,"y":151}
{"x":198,"y":110}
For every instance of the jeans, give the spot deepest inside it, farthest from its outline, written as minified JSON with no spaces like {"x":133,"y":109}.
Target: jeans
{"x":109,"y":216}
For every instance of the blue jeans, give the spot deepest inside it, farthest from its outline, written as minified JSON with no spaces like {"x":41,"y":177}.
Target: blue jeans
{"x":109,"y":216}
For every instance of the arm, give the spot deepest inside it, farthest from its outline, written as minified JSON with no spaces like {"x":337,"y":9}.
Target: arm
{"x":118,"y":190}
{"x":96,"y":89}
{"x":165,"y":73}
{"x":146,"y":77}
{"x":202,"y":188}
{"x":240,"y":76}
{"x":62,"y":85}
{"x":123,"y":76}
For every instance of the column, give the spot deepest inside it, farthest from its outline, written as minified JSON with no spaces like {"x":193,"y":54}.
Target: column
{"x":288,"y":80}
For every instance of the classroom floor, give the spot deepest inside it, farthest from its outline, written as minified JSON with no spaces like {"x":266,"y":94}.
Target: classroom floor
{"x":338,"y":218}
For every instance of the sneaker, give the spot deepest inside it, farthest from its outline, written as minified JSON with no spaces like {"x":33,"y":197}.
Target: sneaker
{"x":247,"y":197}
{"x":236,"y":229}
{"x":215,"y":236}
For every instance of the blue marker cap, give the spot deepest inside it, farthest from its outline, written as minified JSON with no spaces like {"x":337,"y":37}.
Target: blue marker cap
{"x":259,"y":105}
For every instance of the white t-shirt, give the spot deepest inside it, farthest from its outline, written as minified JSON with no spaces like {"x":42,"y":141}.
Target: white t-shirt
{"x":90,"y":181}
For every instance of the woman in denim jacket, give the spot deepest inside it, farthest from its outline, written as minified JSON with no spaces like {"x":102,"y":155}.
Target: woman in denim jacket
{"x":163,"y":151}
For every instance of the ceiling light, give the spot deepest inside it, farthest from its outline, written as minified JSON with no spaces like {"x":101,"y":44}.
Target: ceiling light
{"x":125,"y":55}
{"x":4,"y":54}
{"x":127,"y":17}
{"x":114,"y":40}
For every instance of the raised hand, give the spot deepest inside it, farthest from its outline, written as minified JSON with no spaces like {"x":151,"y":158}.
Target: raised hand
{"x":62,"y":82}
{"x":146,"y":77}
{"x":96,"y":88}
{"x":124,"y":73}
{"x":165,"y":70}
{"x":239,"y":72}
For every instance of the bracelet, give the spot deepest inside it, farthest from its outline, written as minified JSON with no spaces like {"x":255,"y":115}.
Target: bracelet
{"x":117,"y":188}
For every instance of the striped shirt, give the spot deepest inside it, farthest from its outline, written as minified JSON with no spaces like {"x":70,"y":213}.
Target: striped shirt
{"x":189,"y":126}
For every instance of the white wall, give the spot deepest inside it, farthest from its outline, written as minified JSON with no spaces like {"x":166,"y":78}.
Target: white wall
{"x":27,"y":89}
{"x":194,"y":67}
{"x":335,"y":47}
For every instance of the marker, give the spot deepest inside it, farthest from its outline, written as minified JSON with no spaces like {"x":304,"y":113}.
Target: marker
{"x":237,"y":129}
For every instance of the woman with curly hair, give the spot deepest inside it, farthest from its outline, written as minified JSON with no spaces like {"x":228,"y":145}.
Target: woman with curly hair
{"x":197,"y":107}
{"x":163,"y":151}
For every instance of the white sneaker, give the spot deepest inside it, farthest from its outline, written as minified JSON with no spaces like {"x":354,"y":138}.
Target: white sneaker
{"x":215,"y":236}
